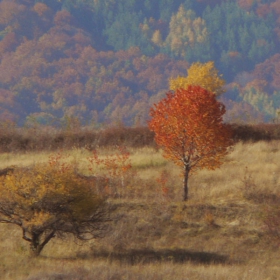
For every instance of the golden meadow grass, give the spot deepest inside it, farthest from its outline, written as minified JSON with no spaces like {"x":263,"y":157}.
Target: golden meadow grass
{"x":218,"y":234}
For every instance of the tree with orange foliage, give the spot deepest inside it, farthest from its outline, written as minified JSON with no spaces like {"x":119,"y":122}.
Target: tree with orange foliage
{"x":188,"y":125}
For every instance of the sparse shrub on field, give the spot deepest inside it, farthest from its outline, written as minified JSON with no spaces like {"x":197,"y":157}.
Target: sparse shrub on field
{"x":209,"y":218}
{"x":51,"y":200}
{"x":164,"y":187}
{"x":116,"y":169}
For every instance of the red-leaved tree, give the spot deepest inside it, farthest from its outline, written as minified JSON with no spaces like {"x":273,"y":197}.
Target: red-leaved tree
{"x":188,"y":125}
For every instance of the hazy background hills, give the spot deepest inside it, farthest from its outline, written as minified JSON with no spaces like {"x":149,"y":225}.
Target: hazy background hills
{"x":94,"y":61}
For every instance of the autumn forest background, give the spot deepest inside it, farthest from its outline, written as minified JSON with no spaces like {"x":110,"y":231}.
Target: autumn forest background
{"x":99,"y":62}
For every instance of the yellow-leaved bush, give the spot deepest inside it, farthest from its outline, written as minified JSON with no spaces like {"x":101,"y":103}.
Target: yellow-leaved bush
{"x":48,"y":200}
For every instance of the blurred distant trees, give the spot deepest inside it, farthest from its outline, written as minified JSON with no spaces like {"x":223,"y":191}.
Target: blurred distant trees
{"x":110,"y":60}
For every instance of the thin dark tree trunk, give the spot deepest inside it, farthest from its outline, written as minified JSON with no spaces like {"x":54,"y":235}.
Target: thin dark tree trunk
{"x":186,"y":178}
{"x":35,"y":246}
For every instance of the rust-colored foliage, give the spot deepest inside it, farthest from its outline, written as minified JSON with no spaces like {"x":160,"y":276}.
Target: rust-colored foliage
{"x":162,"y":180}
{"x":245,"y":4}
{"x":188,"y":125}
{"x":263,"y":10}
{"x":62,"y":18}
{"x":51,"y":66}
{"x":40,"y":8}
{"x":117,"y":168}
{"x":275,"y":6}
{"x":9,"y":11}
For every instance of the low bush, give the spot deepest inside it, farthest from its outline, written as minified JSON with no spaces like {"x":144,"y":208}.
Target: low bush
{"x":51,"y":200}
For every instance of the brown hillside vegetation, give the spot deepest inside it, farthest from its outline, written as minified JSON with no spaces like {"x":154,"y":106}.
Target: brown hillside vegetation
{"x":225,"y":231}
{"x":15,"y":139}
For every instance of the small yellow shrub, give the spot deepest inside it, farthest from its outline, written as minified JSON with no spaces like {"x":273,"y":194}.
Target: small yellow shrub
{"x":47,"y":200}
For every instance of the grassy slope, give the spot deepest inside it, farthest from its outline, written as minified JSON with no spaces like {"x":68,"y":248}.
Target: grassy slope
{"x":218,"y":234}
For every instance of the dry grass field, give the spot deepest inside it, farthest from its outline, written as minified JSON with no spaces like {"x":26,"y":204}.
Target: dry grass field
{"x":220,"y":233}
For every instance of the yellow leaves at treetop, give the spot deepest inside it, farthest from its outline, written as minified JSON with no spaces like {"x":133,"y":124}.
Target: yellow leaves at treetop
{"x":200,"y":74}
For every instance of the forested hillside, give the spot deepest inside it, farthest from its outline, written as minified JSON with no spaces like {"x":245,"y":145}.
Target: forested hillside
{"x":107,"y":61}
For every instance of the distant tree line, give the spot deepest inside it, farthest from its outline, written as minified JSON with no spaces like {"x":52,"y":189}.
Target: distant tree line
{"x":110,"y":61}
